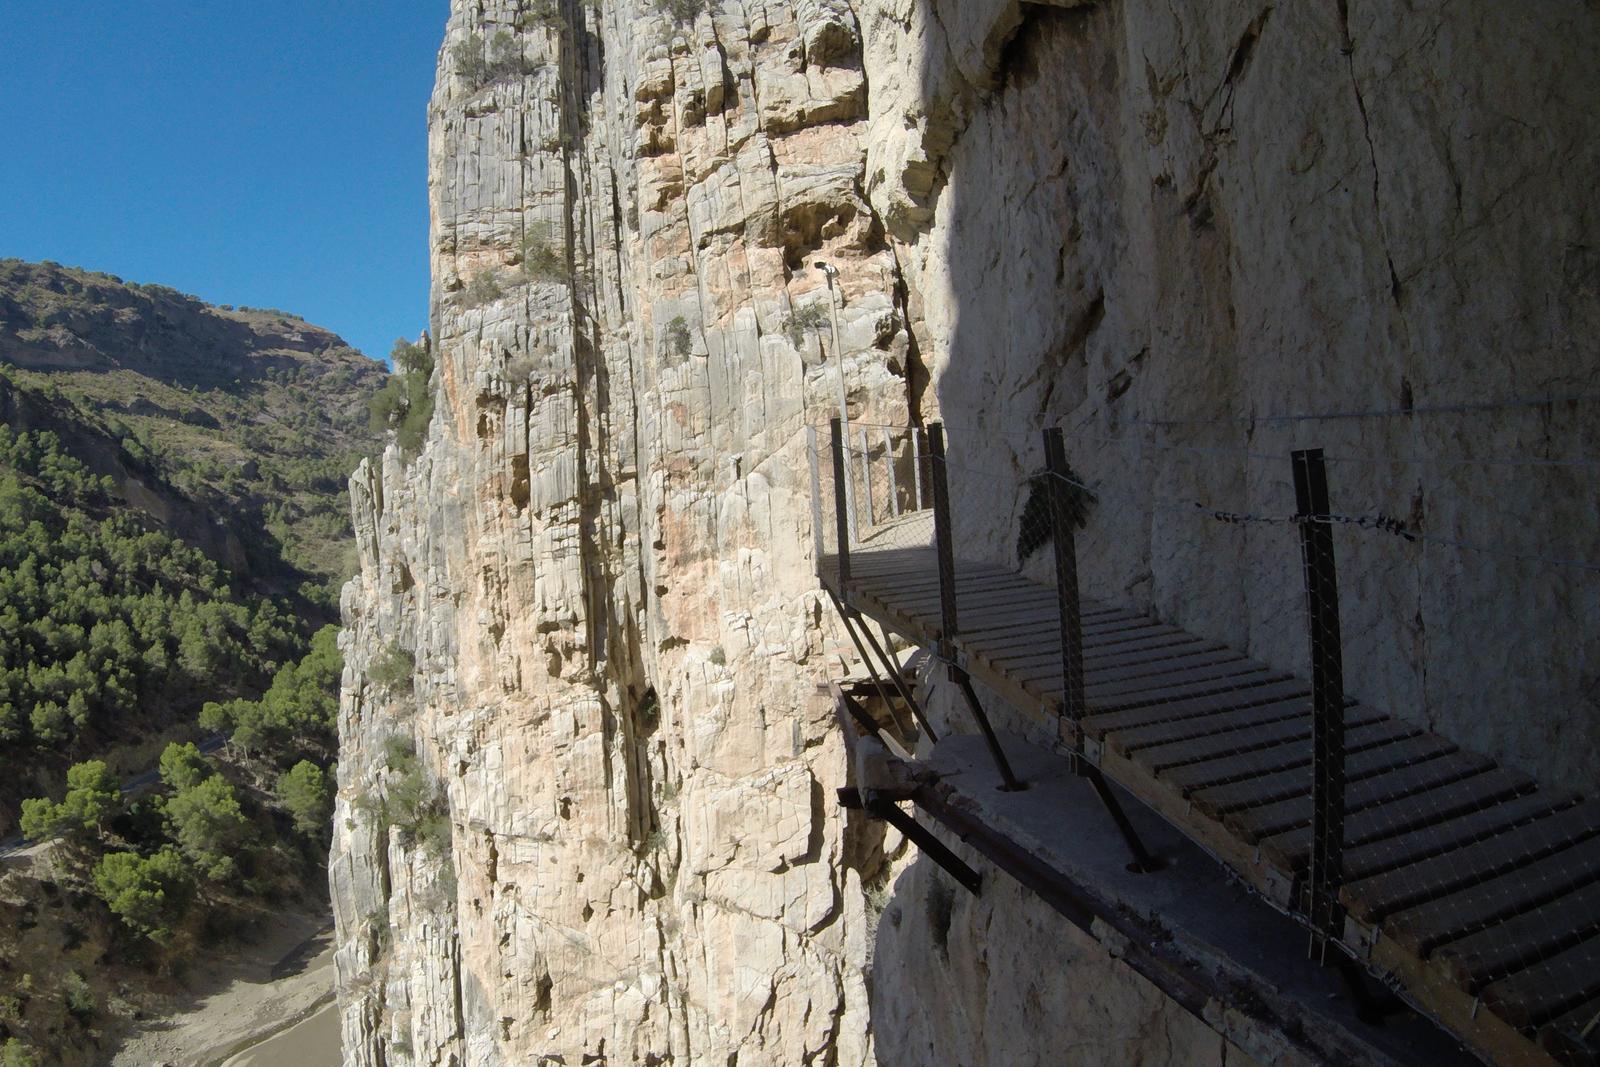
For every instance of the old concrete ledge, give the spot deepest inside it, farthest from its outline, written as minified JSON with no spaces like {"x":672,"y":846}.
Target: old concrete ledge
{"x":1202,"y":938}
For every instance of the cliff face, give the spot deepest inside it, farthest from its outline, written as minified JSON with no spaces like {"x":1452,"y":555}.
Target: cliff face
{"x":1090,"y":214}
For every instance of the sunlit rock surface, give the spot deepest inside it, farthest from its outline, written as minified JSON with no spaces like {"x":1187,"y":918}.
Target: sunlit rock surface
{"x":1090,"y":214}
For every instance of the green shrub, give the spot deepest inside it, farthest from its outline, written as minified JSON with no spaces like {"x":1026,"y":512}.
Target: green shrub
{"x":480,"y":63}
{"x":296,"y":716}
{"x":484,"y":288}
{"x":719,"y":656}
{"x":399,"y":752}
{"x":541,"y":14}
{"x":681,"y":12}
{"x":209,"y":826}
{"x":802,"y":321}
{"x":472,"y":61}
{"x":93,"y":796}
{"x":541,"y":260}
{"x":506,"y":58}
{"x":182,"y":766}
{"x":306,"y":791}
{"x":150,"y":894}
{"x":15,"y":1054}
{"x":677,"y":338}
{"x":405,"y":403}
{"x":79,"y":997}
{"x":413,"y":803}
{"x":392,"y":669}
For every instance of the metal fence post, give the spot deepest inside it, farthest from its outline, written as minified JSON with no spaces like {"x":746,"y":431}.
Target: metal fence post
{"x":817,"y":545}
{"x":1327,"y":699}
{"x":950,"y":624}
{"x":1071,"y":618}
{"x":888,"y":460}
{"x":917,"y":451}
{"x":1070,"y":613}
{"x":871,"y":516}
{"x":944,"y":546}
{"x":841,"y":511}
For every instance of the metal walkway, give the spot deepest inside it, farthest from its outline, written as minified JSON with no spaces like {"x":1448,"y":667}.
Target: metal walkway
{"x":1466,"y":886}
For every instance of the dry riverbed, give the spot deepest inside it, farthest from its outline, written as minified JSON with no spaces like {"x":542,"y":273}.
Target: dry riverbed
{"x":268,"y":1005}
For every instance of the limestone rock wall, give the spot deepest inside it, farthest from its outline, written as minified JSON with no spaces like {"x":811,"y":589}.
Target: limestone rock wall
{"x":1162,"y":226}
{"x":1097,"y":214}
{"x":600,"y":561}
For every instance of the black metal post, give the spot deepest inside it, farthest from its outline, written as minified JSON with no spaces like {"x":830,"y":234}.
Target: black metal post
{"x":919,"y":835}
{"x":919,"y":460}
{"x":950,"y":623}
{"x":1055,"y":454}
{"x":944,"y":545}
{"x":850,"y":617}
{"x":1071,"y":622}
{"x":841,"y":509}
{"x":1327,"y":699}
{"x":904,"y":690}
{"x":1008,"y":779}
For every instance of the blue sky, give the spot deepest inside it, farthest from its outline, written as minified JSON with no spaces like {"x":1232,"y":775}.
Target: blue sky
{"x":269,"y":153}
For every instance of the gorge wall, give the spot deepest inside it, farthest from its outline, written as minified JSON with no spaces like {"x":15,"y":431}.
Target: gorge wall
{"x":1158,"y":225}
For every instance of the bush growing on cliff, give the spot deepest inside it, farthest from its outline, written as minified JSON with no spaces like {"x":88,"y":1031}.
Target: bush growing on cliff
{"x":802,"y":321}
{"x":542,"y":261}
{"x":480,"y":63}
{"x":484,"y":288}
{"x":472,"y":61}
{"x":506,"y":58}
{"x":677,"y":338}
{"x":680,"y":11}
{"x":412,"y":802}
{"x":392,"y":669}
{"x":405,"y":403}
{"x":541,"y":14}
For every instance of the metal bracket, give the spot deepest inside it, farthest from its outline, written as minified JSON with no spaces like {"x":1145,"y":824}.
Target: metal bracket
{"x":881,"y":807}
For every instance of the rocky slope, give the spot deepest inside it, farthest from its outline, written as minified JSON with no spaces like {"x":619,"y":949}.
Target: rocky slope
{"x":231,"y":427}
{"x":1107,"y":215}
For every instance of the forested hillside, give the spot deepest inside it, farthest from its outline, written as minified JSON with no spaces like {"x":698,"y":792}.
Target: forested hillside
{"x":173,"y":527}
{"x":233,"y":428}
{"x":173,"y":534}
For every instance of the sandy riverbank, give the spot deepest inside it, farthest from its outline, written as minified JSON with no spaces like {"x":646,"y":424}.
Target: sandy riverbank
{"x":281,"y":989}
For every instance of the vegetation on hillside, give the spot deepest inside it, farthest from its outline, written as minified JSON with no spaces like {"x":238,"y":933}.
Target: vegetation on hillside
{"x":169,"y":869}
{"x":106,"y":624}
{"x":481,"y":63}
{"x":250,"y":416}
{"x":173,"y":530}
{"x":681,"y":12}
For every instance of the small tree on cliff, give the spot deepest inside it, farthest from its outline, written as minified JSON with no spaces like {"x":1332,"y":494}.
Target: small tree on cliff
{"x":405,"y":403}
{"x":681,"y":11}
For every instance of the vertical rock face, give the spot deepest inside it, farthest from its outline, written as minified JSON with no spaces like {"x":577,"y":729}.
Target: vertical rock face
{"x":600,"y":560}
{"x":1095,"y":214}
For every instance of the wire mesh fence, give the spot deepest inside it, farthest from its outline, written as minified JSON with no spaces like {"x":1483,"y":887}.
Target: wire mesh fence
{"x":1332,"y":668}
